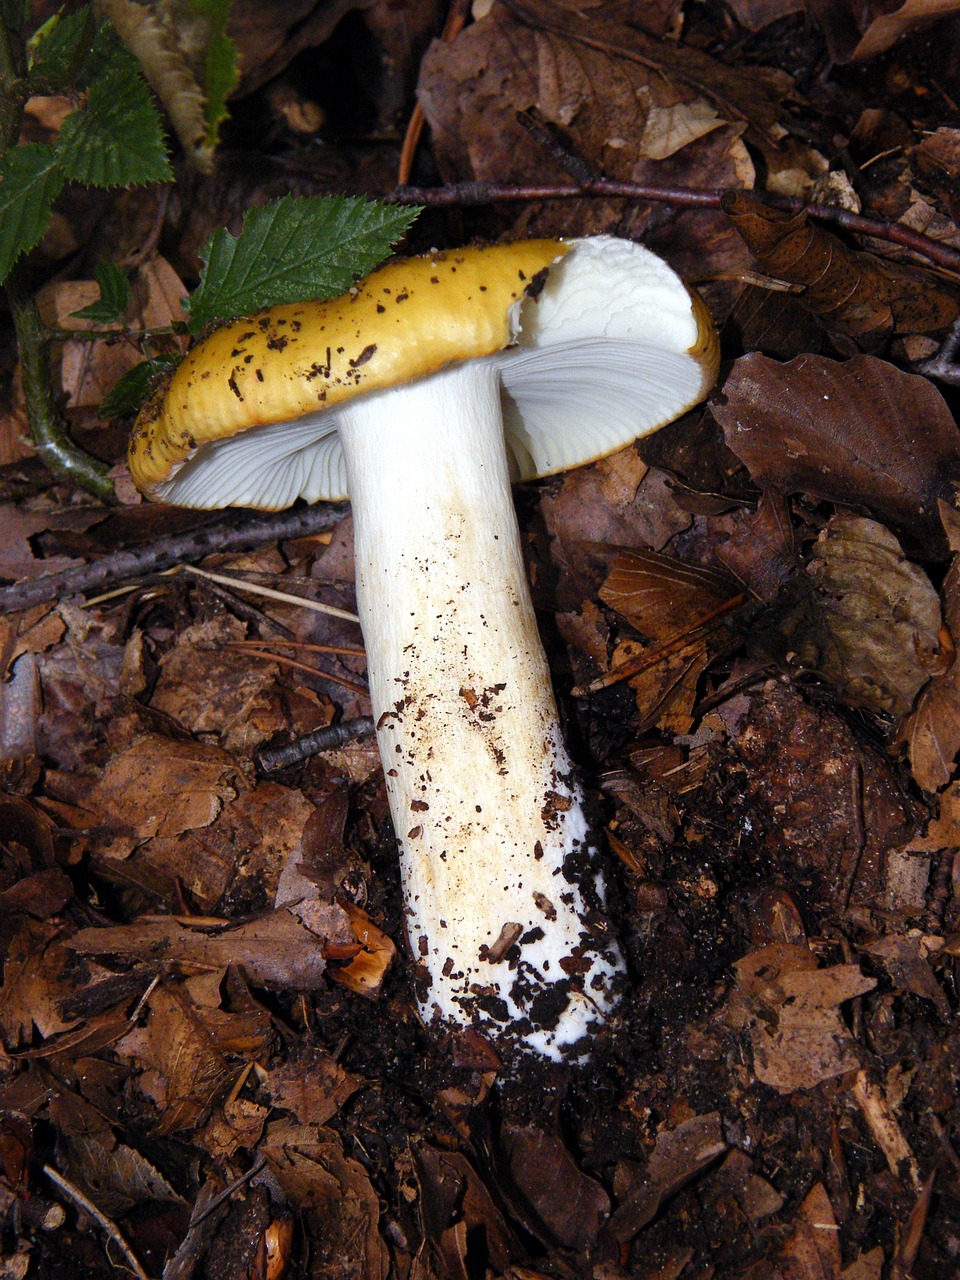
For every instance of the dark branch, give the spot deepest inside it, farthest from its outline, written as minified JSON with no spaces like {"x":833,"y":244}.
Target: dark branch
{"x":236,"y":531}
{"x":477,"y":193}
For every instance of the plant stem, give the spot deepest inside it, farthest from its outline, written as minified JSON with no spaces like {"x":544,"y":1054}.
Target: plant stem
{"x":12,"y":90}
{"x":66,"y":460}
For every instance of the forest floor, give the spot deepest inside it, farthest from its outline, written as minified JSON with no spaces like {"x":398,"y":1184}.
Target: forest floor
{"x":750,"y":618}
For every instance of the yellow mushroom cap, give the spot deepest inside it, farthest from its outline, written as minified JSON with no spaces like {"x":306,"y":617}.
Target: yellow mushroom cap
{"x":403,"y":321}
{"x":596,"y":342}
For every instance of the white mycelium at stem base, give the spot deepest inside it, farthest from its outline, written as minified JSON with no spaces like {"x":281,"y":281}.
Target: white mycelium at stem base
{"x":483,"y":803}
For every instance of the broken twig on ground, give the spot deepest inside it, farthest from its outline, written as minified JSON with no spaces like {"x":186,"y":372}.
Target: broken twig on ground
{"x":234,"y":532}
{"x":476,"y":193}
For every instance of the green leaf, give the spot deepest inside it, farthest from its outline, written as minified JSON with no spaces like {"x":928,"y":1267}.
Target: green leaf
{"x":30,"y":181}
{"x":114,"y":296}
{"x":129,"y":391}
{"x":115,"y":139}
{"x":293,"y":249}
{"x":59,"y":48}
{"x":220,"y":70}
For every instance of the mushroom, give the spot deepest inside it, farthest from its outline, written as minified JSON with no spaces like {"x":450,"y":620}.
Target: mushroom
{"x":422,"y":392}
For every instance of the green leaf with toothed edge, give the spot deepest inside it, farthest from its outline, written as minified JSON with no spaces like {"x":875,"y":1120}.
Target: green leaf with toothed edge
{"x":114,"y":296}
{"x":131,"y":389}
{"x":30,"y":181}
{"x":115,"y":138}
{"x":294,"y":249}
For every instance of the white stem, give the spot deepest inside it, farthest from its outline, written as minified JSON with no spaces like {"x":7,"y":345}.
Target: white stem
{"x":489,"y":819}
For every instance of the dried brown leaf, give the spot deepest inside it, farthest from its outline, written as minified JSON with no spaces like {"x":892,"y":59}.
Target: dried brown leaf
{"x":931,"y":733}
{"x":238,"y":1124}
{"x":754,"y":99}
{"x":116,"y":1176}
{"x":210,"y":688}
{"x":857,"y":297}
{"x":275,"y":951}
{"x":310,"y":1164}
{"x":866,"y":1266}
{"x":183,"y":1069}
{"x":364,"y":974}
{"x":36,"y":980}
{"x":754,"y":15}
{"x":678,"y":1156}
{"x":161,"y":787}
{"x":813,"y":1250}
{"x":905,"y":961}
{"x":662,"y":596}
{"x":884,"y":30}
{"x":867,"y":620}
{"x":628,"y":105}
{"x":563,"y":1205}
{"x":791,"y":1009}
{"x":89,"y":370}
{"x":585,"y":528}
{"x":860,"y":433}
{"x":312,"y":1086}
{"x":453,"y":1201}
{"x":761,"y":549}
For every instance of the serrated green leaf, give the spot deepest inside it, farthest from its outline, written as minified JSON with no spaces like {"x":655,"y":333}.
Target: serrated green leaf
{"x":30,"y":181}
{"x":114,"y":296}
{"x":129,"y":391}
{"x":220,"y":78}
{"x":59,"y":48}
{"x":116,"y":138}
{"x":220,"y":69}
{"x":293,"y":249}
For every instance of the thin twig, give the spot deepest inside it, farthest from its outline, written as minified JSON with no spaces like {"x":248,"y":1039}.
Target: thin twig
{"x":476,"y":193}
{"x":235,"y":531}
{"x":282,"y":660}
{"x":109,"y":1228}
{"x":326,"y":739}
{"x":227,"y":1192}
{"x":285,"y":597}
{"x":341,"y":650}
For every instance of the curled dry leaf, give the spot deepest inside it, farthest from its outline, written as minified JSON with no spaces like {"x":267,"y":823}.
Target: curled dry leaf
{"x":864,"y":619}
{"x":365,"y":972}
{"x":860,"y":433}
{"x":857,"y":297}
